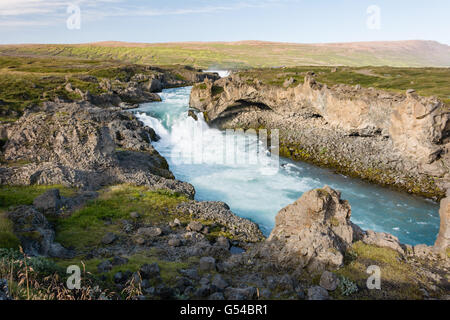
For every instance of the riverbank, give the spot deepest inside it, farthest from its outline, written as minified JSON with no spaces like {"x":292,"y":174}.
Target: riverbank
{"x":201,"y":155}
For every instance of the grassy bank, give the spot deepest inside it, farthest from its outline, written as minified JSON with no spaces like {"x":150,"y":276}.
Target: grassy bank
{"x":25,"y":81}
{"x":426,"y":81}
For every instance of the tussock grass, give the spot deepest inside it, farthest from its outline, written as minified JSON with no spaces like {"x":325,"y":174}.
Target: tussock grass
{"x":398,"y":279}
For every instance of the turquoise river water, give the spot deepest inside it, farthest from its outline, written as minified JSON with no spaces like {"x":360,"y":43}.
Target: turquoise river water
{"x":196,"y":154}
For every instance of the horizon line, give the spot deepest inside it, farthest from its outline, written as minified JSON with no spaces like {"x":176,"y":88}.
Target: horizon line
{"x":104,"y":42}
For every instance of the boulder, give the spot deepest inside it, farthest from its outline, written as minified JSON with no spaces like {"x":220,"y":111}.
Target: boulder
{"x":219,"y":282}
{"x":149,"y":232}
{"x":222,"y":242}
{"x":313,"y":232}
{"x":329,"y":281}
{"x":104,"y":266}
{"x":118,"y":261}
{"x":216,"y":296}
{"x":443,"y":239}
{"x":174,"y":242}
{"x":109,"y":238}
{"x":134,"y":215}
{"x":207,"y":264}
{"x":219,"y":212}
{"x":194,"y":226}
{"x":249,"y":293}
{"x":149,"y":271}
{"x":49,"y":202}
{"x":36,"y":233}
{"x":317,"y":293}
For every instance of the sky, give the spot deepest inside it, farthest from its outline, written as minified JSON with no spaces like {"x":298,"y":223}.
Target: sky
{"x":300,"y":21}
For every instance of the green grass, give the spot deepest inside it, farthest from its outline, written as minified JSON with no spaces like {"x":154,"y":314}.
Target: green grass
{"x":398,"y":279}
{"x":248,"y":54}
{"x":426,"y":81}
{"x":26,"y":81}
{"x":7,"y":238}
{"x":86,"y":227}
{"x":11,"y":196}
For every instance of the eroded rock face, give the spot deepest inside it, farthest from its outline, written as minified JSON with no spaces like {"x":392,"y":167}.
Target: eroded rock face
{"x":382,"y":239}
{"x":419,"y":128}
{"x":80,"y":145}
{"x":443,"y":239}
{"x":392,"y":139}
{"x":314,"y":232}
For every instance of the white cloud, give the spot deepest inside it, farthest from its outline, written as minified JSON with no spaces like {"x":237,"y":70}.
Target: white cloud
{"x":24,"y":13}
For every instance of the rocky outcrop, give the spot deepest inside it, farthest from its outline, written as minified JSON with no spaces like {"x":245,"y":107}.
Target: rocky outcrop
{"x":140,"y":87}
{"x":84,"y":146}
{"x":36,"y":233}
{"x":382,"y":239}
{"x":314,"y":232}
{"x":239,"y":228}
{"x":393,"y":139}
{"x":443,"y":240}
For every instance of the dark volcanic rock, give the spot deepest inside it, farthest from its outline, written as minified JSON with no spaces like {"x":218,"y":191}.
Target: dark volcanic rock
{"x":317,"y":293}
{"x":219,"y":212}
{"x":36,"y":234}
{"x":104,"y":266}
{"x":149,"y":271}
{"x":109,"y":238}
{"x":249,"y":293}
{"x":49,"y":202}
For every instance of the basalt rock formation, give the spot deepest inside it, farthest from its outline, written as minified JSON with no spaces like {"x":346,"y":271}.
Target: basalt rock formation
{"x":401,"y":140}
{"x":443,"y":240}
{"x":315,"y":231}
{"x":84,"y":146}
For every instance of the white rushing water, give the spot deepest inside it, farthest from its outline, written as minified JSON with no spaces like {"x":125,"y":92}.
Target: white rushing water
{"x":196,"y":155}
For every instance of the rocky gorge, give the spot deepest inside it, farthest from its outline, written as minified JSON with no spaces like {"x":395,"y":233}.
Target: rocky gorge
{"x":393,"y":139}
{"x":134,"y":225}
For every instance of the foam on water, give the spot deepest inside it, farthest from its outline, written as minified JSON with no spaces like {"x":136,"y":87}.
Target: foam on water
{"x":196,"y":154}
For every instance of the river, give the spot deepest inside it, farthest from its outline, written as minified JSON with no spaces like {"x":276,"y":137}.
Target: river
{"x":253,"y":193}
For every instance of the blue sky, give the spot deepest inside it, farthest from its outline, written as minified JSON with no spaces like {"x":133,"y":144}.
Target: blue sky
{"x":303,"y":21}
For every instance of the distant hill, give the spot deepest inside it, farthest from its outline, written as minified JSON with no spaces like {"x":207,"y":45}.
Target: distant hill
{"x":243,"y":54}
